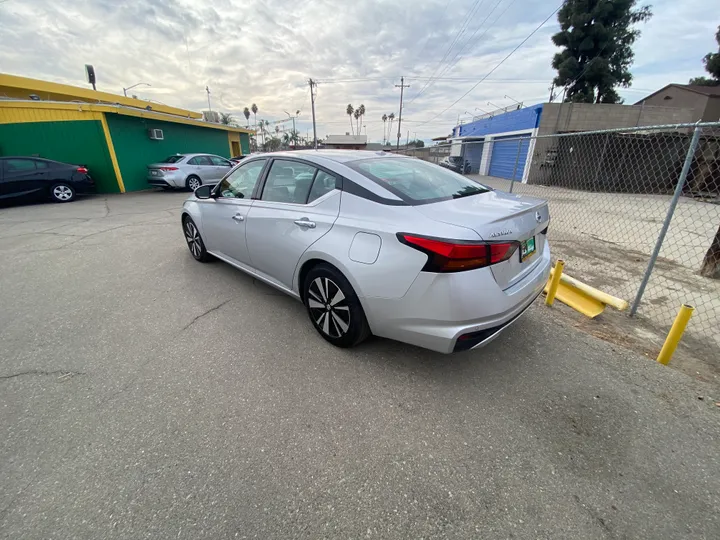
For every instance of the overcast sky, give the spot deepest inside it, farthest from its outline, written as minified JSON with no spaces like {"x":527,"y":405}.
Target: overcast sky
{"x":263,"y":51}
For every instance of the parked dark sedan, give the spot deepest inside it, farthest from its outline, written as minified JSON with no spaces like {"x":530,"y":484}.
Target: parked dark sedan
{"x":455,"y":163}
{"x":37,"y":177}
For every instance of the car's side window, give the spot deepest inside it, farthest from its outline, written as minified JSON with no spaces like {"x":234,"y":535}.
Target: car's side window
{"x":19,"y":165}
{"x":324,"y":183}
{"x":41,"y":164}
{"x":203,"y":160}
{"x":240,"y":183}
{"x":193,"y":161}
{"x":288,"y":182}
{"x":220,"y":162}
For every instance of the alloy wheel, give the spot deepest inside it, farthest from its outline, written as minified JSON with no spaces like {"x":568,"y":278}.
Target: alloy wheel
{"x":328,"y":307}
{"x":193,"y":239}
{"x":194,"y":183}
{"x":62,"y":193}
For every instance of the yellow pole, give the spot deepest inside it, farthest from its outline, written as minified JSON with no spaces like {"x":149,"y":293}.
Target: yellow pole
{"x":676,"y":332}
{"x":554,"y":282}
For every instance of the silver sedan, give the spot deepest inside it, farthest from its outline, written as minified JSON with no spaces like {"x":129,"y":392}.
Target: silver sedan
{"x":189,"y":171}
{"x":374,"y":243}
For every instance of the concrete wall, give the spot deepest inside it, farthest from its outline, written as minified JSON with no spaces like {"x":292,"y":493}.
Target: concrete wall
{"x":712,"y":111}
{"x":568,"y":117}
{"x":681,"y":98}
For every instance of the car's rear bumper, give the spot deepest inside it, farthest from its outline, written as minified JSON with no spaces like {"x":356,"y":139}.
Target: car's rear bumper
{"x":440,"y":308}
{"x":167,"y":180}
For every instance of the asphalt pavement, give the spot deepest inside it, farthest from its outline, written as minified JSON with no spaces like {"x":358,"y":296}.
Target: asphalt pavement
{"x":145,"y":395}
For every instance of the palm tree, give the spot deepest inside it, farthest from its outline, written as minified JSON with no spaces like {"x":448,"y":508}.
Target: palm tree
{"x":349,"y":112}
{"x":384,"y":119}
{"x":254,"y":109}
{"x":361,"y":108}
{"x":356,"y":115}
{"x":246,"y":114}
{"x":391,"y":117}
{"x":262,"y":130}
{"x":286,"y":139}
{"x":226,"y":118}
{"x":277,"y":129}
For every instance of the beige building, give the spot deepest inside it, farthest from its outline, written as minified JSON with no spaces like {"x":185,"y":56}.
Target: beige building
{"x":703,"y":101}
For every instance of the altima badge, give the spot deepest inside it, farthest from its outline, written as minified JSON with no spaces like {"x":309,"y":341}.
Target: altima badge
{"x":500,"y":233}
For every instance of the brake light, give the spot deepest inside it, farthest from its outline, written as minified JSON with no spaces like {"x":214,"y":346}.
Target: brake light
{"x":82,"y":170}
{"x":458,"y":255}
{"x":168,"y":168}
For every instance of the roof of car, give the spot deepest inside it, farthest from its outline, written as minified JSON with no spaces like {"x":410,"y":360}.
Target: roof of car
{"x":340,"y":156}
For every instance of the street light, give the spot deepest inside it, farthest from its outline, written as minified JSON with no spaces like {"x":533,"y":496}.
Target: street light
{"x":297,"y":113}
{"x":133,"y":86}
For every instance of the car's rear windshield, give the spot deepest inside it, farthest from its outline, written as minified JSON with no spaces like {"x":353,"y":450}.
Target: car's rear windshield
{"x":172,"y":159}
{"x":416,"y":181}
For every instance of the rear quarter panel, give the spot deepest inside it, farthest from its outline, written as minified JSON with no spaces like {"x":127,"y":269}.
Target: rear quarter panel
{"x":397,"y":265}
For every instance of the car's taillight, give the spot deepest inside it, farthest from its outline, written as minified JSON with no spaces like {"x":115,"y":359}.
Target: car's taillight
{"x":82,"y":170}
{"x":168,"y":168}
{"x":458,"y":255}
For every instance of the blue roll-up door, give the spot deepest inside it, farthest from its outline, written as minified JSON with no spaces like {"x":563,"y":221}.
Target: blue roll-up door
{"x":505,"y":153}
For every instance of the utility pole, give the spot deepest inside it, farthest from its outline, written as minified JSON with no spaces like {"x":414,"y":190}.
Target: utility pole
{"x":402,"y":87}
{"x":552,"y":89}
{"x":208,"y":93}
{"x":312,"y":100}
{"x":407,"y":141}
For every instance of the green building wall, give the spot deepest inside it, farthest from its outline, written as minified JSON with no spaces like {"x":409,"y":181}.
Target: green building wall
{"x":135,"y":150}
{"x":80,"y":142}
{"x":245,"y":143}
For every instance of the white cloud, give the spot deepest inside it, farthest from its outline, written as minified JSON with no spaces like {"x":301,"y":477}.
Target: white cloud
{"x":263,"y":51}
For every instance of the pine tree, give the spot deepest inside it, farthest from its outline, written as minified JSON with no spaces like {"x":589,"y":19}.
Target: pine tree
{"x":597,"y":38}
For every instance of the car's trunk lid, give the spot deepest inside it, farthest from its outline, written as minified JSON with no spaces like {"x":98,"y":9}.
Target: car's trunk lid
{"x":497,"y":217}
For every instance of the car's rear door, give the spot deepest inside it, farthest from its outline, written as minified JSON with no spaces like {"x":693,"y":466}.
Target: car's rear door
{"x":203,"y":167}
{"x":22,"y":177}
{"x":298,"y":205}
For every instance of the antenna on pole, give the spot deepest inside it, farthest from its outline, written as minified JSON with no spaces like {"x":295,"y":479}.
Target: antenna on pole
{"x":402,"y":87}
{"x":312,"y":100}
{"x":207,"y":89}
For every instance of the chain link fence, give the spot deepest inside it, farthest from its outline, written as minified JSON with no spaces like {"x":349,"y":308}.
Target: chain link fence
{"x":635,"y":212}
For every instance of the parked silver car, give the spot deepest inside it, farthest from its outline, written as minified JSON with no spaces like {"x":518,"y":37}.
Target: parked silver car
{"x":377,"y":243}
{"x":188,"y":171}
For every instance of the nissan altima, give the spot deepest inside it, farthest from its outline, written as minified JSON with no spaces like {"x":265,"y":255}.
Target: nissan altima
{"x":375,"y":243}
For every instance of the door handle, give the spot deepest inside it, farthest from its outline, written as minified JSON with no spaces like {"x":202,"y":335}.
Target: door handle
{"x":238,"y":218}
{"x":305,"y":223}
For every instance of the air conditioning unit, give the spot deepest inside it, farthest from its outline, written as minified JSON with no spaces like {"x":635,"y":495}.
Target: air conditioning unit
{"x":156,"y":134}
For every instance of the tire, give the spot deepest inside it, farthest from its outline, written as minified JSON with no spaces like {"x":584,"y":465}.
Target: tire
{"x":194,"y":241}
{"x":333,"y":307}
{"x":62,"y":192}
{"x":193,"y":182}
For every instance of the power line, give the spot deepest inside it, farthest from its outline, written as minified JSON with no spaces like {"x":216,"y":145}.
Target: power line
{"x":468,"y":18}
{"x":453,"y":61}
{"x":500,"y":63}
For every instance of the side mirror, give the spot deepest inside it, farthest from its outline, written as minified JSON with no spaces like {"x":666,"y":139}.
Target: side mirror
{"x":203,"y":192}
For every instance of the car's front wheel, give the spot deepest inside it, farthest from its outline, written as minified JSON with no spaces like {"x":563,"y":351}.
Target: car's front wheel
{"x":194,"y":240}
{"x":62,"y":192}
{"x":333,"y":307}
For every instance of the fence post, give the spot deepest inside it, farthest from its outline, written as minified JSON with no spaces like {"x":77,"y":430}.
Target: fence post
{"x":517,"y":158}
{"x":666,"y":224}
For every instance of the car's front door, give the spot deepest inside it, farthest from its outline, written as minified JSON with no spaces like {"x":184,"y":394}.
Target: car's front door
{"x":224,"y":216}
{"x":22,"y":177}
{"x":221,"y":165}
{"x":298,"y":205}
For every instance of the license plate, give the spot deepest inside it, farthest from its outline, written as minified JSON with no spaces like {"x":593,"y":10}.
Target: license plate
{"x":154,"y":173}
{"x":527,"y":248}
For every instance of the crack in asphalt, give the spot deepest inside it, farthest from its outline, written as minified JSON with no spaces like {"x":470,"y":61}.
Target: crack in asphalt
{"x":63,"y":374}
{"x":188,"y":325}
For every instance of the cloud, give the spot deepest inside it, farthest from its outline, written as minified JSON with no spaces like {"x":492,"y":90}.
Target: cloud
{"x":263,"y":52}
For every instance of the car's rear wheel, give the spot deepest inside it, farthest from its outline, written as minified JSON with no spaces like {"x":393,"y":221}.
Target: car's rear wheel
{"x":61,"y":192}
{"x":333,"y":307}
{"x":194,"y":240}
{"x":193,"y":182}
